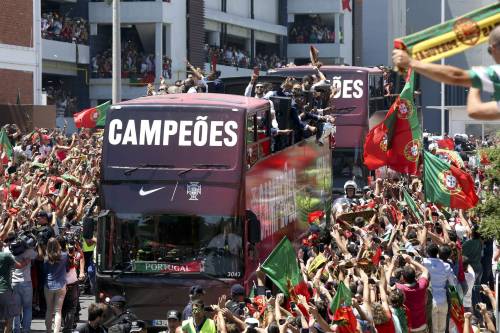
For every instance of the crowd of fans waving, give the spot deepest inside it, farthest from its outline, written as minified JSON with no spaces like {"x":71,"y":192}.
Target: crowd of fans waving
{"x":48,"y":186}
{"x":135,"y":64}
{"x":62,"y":28}
{"x":311,"y":30}
{"x":233,"y":56}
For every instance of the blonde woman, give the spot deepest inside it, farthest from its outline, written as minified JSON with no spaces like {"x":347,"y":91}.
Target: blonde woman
{"x":54,"y":268}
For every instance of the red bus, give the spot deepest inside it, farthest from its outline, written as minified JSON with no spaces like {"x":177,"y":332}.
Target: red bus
{"x":196,"y":190}
{"x":359,"y":105}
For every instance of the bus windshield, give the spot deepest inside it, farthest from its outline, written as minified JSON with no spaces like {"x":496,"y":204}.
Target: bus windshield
{"x":172,"y":244}
{"x":348,"y":165}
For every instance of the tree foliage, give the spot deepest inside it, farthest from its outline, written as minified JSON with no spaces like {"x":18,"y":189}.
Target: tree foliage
{"x":489,"y":208}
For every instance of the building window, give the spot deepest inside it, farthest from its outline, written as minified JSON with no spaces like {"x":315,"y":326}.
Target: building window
{"x":341,"y":28}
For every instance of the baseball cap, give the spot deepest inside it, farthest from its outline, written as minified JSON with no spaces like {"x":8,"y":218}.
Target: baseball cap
{"x":174,"y":314}
{"x":196,"y":290}
{"x":43,"y":213}
{"x":237,"y":290}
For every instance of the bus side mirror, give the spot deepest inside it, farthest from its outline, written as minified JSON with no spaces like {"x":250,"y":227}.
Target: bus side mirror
{"x":253,"y":227}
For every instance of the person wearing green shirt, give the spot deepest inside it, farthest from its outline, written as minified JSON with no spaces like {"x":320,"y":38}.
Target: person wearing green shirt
{"x":478,"y":79}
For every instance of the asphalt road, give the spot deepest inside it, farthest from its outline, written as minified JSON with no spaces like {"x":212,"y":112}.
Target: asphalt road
{"x":38,"y":324}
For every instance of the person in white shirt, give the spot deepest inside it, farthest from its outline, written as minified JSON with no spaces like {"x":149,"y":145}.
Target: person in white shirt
{"x":441,"y":276}
{"x":470,"y":277}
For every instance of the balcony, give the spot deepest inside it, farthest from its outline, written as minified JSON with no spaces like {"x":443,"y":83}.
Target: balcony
{"x":320,"y":7}
{"x":325,"y":50}
{"x":66,"y":52}
{"x":137,"y":12}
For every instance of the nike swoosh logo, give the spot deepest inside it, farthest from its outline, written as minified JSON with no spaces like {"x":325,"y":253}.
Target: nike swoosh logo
{"x":144,"y":193}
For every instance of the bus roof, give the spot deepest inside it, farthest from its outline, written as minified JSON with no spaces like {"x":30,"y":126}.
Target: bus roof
{"x":307,"y":68}
{"x":217,"y":100}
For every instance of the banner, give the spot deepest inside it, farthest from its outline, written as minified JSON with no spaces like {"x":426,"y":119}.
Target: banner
{"x":453,"y":36}
{"x":161,"y":267}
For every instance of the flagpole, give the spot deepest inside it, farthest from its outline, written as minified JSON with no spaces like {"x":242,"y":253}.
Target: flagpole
{"x":442,"y":84}
{"x":116,"y":84}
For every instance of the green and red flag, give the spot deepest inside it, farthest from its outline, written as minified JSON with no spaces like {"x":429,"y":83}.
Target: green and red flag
{"x":447,"y":185}
{"x":92,"y":117}
{"x":457,"y":319}
{"x":282,"y":268}
{"x":413,"y":206}
{"x":341,"y":309}
{"x":5,"y":147}
{"x":453,"y":36}
{"x":397,"y":141}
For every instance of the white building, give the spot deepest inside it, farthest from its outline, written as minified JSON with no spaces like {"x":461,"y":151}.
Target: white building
{"x":158,"y":27}
{"x":324,"y":24}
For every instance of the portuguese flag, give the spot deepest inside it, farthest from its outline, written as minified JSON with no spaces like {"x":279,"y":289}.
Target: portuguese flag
{"x":282,"y":268}
{"x":397,"y":141}
{"x":413,"y":206}
{"x":342,"y":310}
{"x":92,"y":117}
{"x":5,"y":147}
{"x":453,"y":36}
{"x":447,"y":185}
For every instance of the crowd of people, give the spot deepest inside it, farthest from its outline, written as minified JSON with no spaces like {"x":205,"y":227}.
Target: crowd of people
{"x":62,"y":28}
{"x":49,"y":185}
{"x":396,"y":273}
{"x":236,"y":57}
{"x":135,"y":64}
{"x":66,"y":104}
{"x":311,"y":30}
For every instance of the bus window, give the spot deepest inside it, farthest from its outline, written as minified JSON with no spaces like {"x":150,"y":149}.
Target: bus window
{"x":164,"y":243}
{"x":263,"y":133}
{"x":251,"y":135}
{"x":347,"y":165}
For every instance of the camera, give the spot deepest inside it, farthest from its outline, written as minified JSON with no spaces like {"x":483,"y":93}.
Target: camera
{"x":25,"y":240}
{"x":43,"y":234}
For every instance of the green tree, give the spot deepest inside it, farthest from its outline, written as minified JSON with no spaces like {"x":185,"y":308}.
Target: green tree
{"x":489,"y":208}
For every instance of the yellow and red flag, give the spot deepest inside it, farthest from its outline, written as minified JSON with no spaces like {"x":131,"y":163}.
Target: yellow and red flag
{"x":453,"y":36}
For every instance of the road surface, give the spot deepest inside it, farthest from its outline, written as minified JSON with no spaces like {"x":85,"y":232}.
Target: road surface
{"x":38,"y":324}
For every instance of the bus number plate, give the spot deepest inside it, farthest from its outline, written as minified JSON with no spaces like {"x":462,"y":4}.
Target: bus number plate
{"x":233,"y":274}
{"x":160,"y":323}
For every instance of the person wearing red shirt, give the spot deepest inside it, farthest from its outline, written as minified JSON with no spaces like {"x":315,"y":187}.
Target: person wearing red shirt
{"x":415,"y":291}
